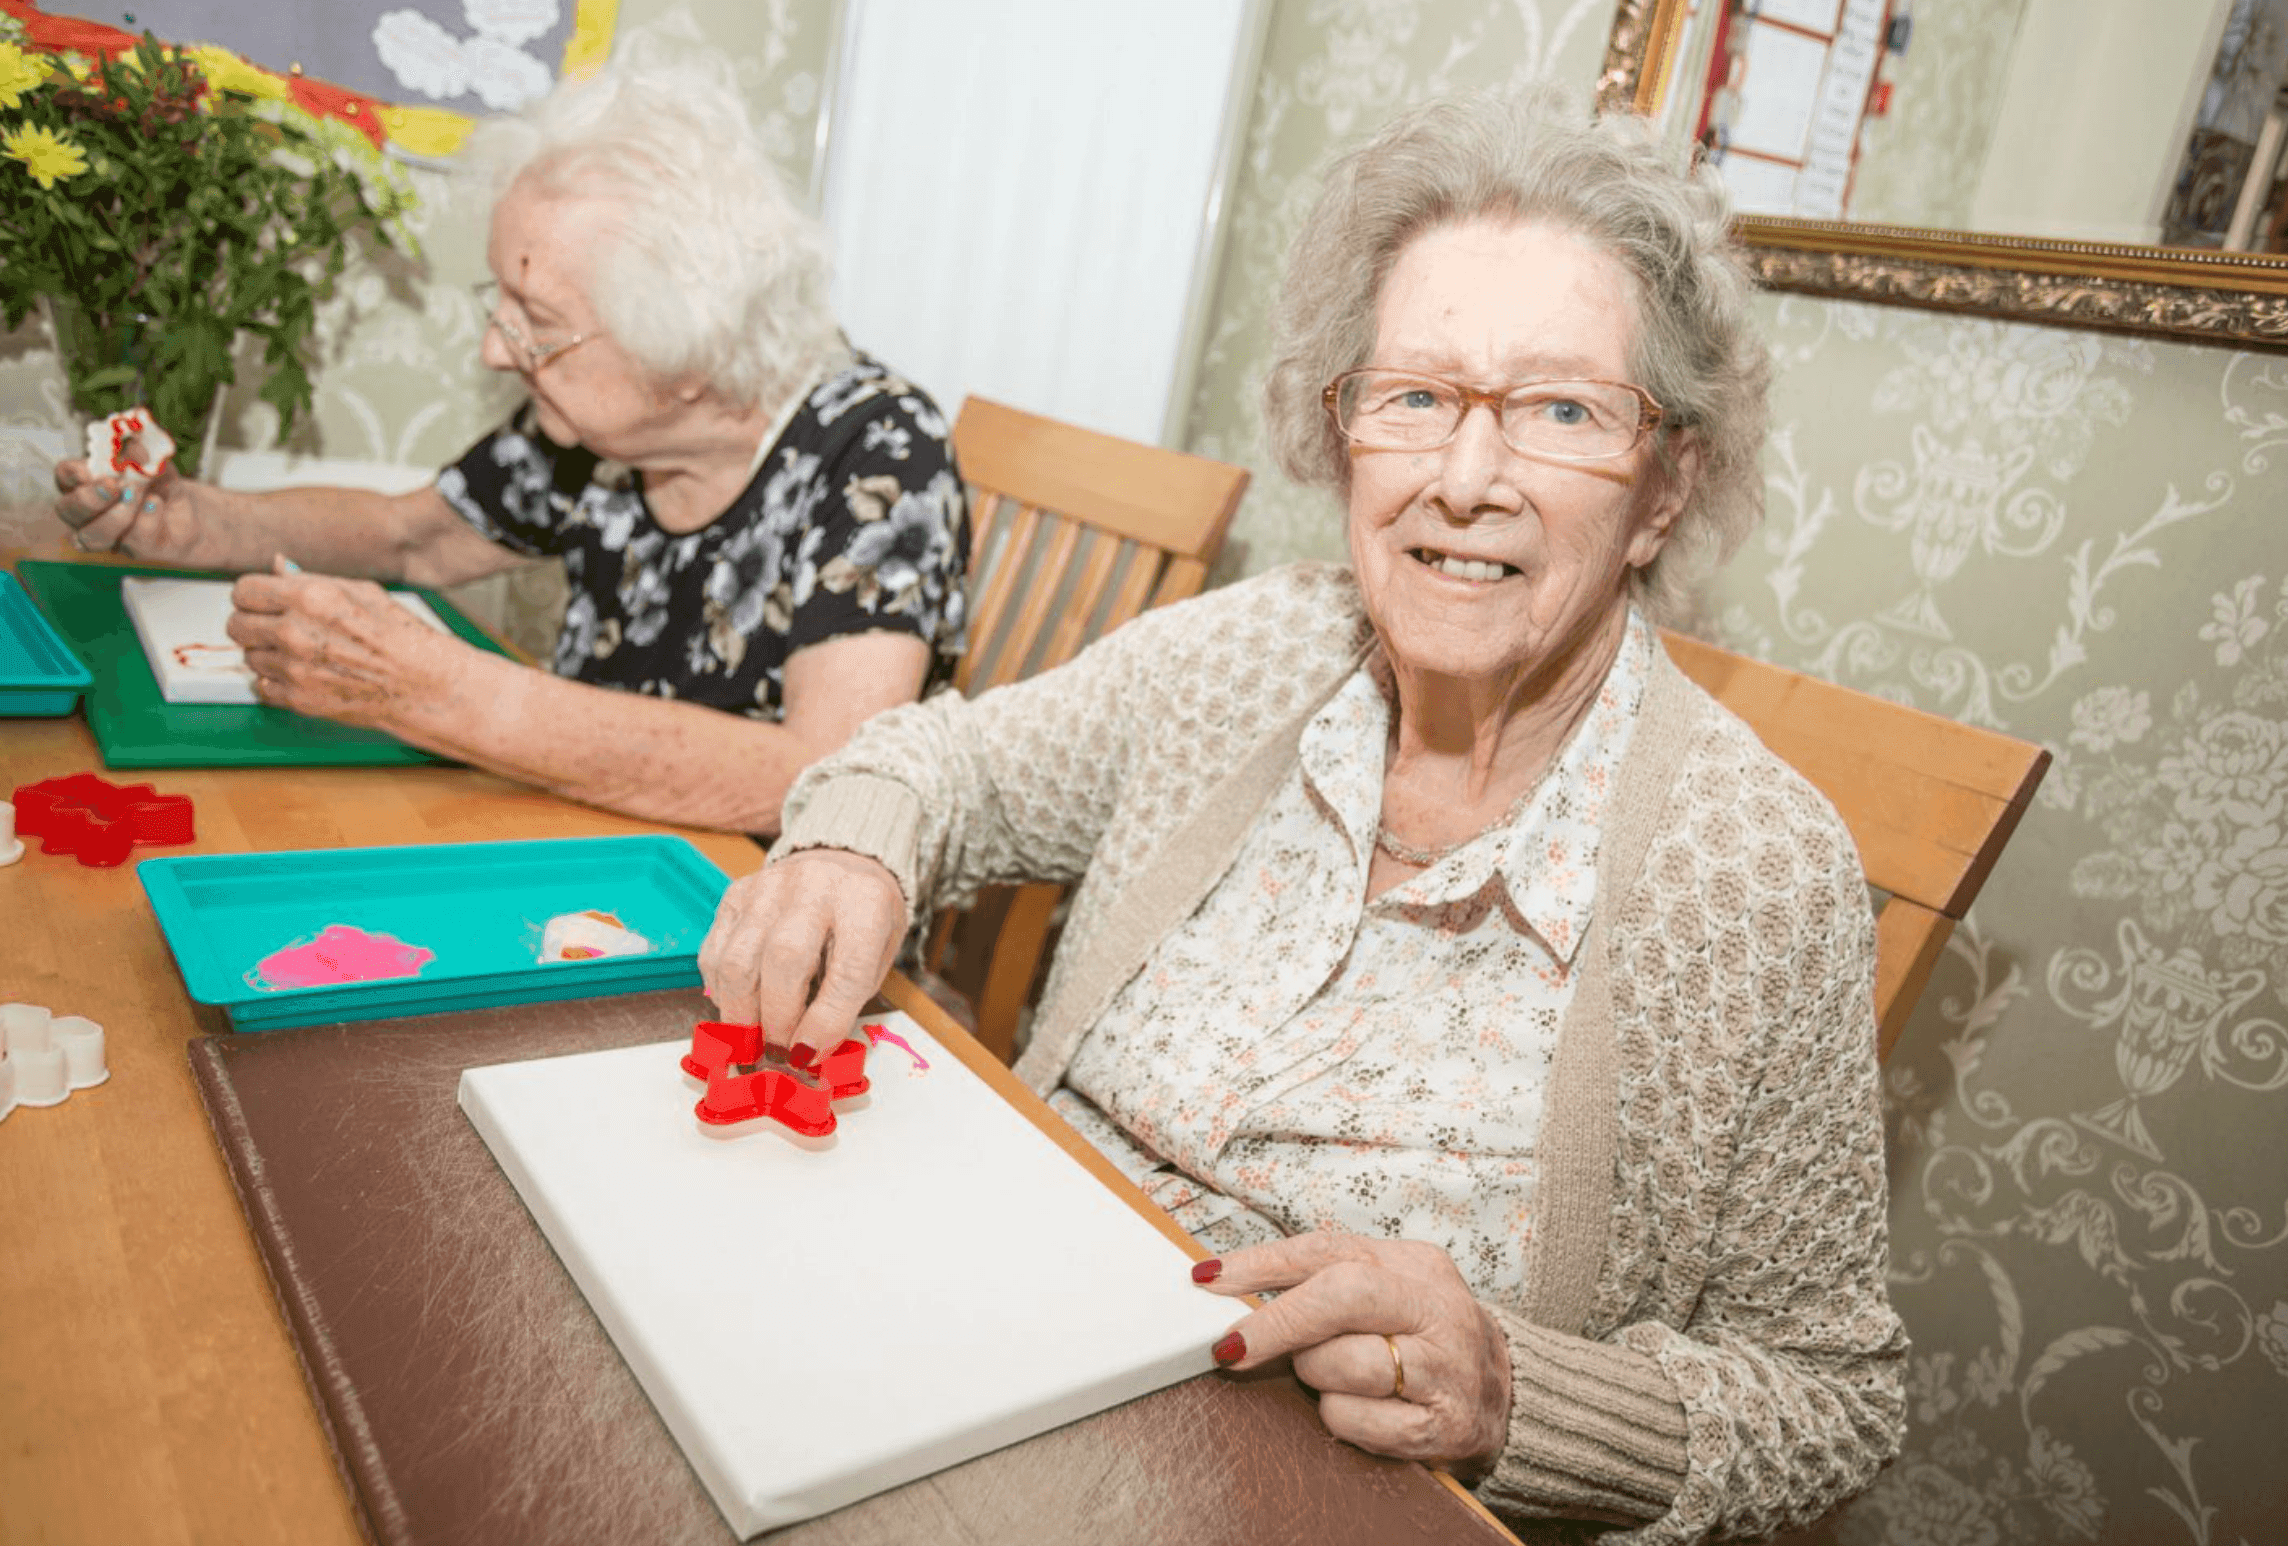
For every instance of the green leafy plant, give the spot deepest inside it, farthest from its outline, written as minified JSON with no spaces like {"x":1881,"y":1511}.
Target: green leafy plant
{"x":163,"y":205}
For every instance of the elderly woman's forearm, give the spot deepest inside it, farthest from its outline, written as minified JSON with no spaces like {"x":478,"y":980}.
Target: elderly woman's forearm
{"x":407,"y":538}
{"x":644,"y":757}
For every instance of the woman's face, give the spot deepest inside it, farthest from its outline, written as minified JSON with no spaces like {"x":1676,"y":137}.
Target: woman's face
{"x":591,"y":394}
{"x":1491,"y":303}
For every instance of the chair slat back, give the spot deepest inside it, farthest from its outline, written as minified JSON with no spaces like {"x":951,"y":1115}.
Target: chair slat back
{"x":1929,"y":801}
{"x":1074,"y":534}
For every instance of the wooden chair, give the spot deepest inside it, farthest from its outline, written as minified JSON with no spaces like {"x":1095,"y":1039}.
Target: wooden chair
{"x":1074,"y":533}
{"x":1929,"y":801}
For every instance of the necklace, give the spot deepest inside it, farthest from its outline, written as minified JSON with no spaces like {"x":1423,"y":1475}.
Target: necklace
{"x":1424,"y":858}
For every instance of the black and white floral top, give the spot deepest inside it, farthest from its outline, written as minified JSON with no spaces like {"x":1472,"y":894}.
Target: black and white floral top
{"x":855,"y":522}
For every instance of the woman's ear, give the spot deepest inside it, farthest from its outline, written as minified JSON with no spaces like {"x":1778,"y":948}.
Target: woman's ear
{"x":1677,"y":478}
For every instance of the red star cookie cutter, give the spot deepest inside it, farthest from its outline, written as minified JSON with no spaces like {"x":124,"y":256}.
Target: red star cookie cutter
{"x":98,"y":821}
{"x":796,"y":1104}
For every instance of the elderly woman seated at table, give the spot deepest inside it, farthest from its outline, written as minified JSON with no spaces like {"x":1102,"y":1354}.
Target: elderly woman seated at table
{"x":1441,"y":956}
{"x":763,"y":532}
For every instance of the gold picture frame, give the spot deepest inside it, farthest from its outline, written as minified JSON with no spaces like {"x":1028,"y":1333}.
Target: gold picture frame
{"x":2198,"y":295}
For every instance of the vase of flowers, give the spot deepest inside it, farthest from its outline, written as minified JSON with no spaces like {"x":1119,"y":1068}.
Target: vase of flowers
{"x":163,"y":207}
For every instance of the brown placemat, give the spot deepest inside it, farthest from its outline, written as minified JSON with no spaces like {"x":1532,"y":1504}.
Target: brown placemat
{"x":471,"y":1396}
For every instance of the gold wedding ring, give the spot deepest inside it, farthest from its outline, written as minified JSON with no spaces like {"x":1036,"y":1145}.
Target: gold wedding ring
{"x":1397,"y":1368}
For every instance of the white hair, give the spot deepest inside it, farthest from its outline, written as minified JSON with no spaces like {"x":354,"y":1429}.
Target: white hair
{"x":1528,"y":155}
{"x":710,"y":269}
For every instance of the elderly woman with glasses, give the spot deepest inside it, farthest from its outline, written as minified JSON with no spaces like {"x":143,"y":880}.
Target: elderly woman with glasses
{"x":1441,"y":957}
{"x":763,"y":532}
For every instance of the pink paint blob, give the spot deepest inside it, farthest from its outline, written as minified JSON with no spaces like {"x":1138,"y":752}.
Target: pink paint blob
{"x":340,"y":953}
{"x":880,"y":1033}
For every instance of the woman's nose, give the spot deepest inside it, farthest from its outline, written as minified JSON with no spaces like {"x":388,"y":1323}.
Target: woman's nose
{"x":1476,"y":474}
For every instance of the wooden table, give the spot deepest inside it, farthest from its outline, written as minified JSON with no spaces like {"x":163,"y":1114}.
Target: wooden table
{"x":149,"y":1391}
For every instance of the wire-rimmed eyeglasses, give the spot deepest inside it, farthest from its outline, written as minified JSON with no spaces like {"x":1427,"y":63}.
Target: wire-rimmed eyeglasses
{"x":537,"y":351}
{"x":1558,"y":421}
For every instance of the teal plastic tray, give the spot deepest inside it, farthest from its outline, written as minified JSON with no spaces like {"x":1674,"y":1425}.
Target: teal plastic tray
{"x":39,"y":675}
{"x":136,"y":727}
{"x":479,"y":906}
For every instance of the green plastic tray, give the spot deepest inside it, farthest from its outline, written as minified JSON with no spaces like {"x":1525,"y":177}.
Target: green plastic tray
{"x":138,"y":728}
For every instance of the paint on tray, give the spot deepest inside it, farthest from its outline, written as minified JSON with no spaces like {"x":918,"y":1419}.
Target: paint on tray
{"x":339,"y":953}
{"x":589,"y":936}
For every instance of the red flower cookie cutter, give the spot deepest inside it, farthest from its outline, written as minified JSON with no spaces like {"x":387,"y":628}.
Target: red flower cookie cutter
{"x":794,"y":1103}
{"x":98,"y":821}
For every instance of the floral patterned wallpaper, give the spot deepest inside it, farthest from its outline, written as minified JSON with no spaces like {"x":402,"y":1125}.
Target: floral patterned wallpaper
{"x":2069,"y":536}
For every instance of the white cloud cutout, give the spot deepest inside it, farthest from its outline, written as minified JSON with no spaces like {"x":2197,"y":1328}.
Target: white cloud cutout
{"x":423,"y":56}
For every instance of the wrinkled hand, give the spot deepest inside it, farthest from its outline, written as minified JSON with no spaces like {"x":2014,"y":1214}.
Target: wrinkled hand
{"x":337,"y":649}
{"x":158,"y":519}
{"x":800,"y":946}
{"x":1342,"y":1294}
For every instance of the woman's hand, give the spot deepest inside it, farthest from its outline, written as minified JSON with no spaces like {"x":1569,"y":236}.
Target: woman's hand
{"x":338,"y":649}
{"x":801,"y":946}
{"x":158,"y":519}
{"x":1352,"y":1312}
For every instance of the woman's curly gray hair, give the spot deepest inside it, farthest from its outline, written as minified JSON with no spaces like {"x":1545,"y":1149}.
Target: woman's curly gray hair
{"x":711,"y":269}
{"x":1524,"y":156}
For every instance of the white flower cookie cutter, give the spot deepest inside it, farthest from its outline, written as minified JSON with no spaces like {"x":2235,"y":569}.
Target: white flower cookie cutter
{"x":45,"y":1056}
{"x":130,"y":446}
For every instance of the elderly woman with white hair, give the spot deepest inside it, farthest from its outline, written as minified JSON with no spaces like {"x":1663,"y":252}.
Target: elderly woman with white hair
{"x":763,"y":531}
{"x":1441,"y":957}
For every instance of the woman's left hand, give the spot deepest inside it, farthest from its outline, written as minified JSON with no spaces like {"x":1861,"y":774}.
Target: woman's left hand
{"x":1353,"y":1313}
{"x":337,"y":649}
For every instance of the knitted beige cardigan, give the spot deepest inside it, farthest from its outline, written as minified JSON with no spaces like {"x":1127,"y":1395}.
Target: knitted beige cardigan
{"x":1705,"y":1344}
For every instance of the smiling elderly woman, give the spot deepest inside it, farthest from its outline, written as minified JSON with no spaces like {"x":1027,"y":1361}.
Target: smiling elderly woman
{"x":763,"y":532}
{"x":1441,"y":956}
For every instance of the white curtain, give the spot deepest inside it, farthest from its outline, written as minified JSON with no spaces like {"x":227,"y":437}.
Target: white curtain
{"x":1023,"y":195}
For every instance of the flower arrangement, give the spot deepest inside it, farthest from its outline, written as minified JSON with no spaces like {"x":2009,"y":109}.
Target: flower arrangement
{"x":164,"y":201}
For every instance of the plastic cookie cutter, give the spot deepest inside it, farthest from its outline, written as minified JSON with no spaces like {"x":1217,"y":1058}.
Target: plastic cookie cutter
{"x":45,"y":1056}
{"x":98,"y":821}
{"x":796,"y":1104}
{"x":129,"y":446}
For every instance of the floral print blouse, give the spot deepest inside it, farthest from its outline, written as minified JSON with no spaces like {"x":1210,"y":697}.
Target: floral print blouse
{"x":1297,"y":1057}
{"x":855,"y":521}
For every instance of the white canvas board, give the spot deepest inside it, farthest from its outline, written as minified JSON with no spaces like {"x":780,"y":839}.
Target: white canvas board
{"x":183,"y":626}
{"x":819,"y":1320}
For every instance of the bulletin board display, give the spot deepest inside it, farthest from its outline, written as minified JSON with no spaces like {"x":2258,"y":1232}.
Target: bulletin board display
{"x":409,"y":73}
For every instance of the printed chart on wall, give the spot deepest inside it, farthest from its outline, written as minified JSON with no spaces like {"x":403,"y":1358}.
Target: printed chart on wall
{"x":1788,"y":84}
{"x":413,"y":74}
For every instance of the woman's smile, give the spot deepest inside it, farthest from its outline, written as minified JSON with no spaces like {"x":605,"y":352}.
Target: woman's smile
{"x":1475,"y":572}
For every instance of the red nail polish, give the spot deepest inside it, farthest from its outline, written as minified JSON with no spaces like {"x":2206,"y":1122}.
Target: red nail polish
{"x":1230,"y":1350}
{"x":800,"y":1056}
{"x":1207,"y":1271}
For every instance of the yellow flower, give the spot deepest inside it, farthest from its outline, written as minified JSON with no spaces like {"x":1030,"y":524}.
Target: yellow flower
{"x":225,"y":71}
{"x":44,"y":155}
{"x":19,"y":73}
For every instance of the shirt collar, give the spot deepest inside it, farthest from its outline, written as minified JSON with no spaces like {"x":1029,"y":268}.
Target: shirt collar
{"x":1546,"y":859}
